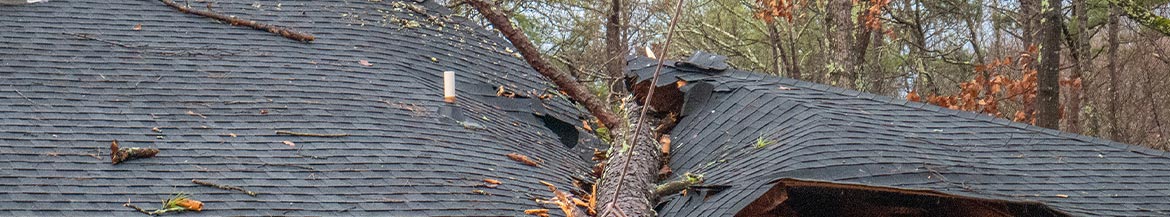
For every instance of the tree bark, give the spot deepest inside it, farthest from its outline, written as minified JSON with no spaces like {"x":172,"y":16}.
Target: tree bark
{"x":631,"y":196}
{"x":564,"y":82}
{"x":1115,"y":131}
{"x":615,"y":50}
{"x":839,"y":26}
{"x":1048,"y":76}
{"x":1080,"y":52}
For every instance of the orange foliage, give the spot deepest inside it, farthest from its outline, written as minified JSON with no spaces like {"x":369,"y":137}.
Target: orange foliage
{"x":770,"y":9}
{"x":988,"y":96}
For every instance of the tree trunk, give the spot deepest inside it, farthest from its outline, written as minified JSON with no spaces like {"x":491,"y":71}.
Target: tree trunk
{"x":564,"y":82}
{"x":615,"y":50}
{"x":777,"y":48}
{"x":1048,"y":77}
{"x":839,"y":26}
{"x":1115,"y":131}
{"x":631,"y":195}
{"x":1080,"y":52}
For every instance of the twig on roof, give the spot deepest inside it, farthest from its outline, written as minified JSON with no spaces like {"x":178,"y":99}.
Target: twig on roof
{"x":22,"y":95}
{"x":290,"y":165}
{"x":224,"y":187}
{"x":291,"y":133}
{"x":90,"y":37}
{"x":136,"y":208}
{"x":279,"y":30}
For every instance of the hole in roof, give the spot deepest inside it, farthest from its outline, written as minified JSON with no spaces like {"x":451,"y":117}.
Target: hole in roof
{"x":792,"y":197}
{"x":565,"y":131}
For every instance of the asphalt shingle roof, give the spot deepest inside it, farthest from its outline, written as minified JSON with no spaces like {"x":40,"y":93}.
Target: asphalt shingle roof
{"x":827,"y":133}
{"x":75,"y":75}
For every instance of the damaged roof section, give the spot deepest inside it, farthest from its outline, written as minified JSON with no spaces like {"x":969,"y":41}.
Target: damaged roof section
{"x":212,"y":98}
{"x":823,"y":133}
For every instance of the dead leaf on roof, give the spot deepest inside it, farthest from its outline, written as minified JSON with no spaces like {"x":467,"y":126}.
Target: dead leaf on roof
{"x":156,"y":130}
{"x":233,"y":135}
{"x":493,"y":181}
{"x":537,"y":212}
{"x":665,"y":141}
{"x":290,"y":143}
{"x":192,"y":113}
{"x":138,"y":27}
{"x":365,"y":63}
{"x":1062,"y":195}
{"x":585,"y":124}
{"x":523,"y":159}
{"x":263,"y":111}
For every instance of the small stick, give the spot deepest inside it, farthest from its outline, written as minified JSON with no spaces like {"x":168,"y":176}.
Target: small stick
{"x":139,"y":209}
{"x":118,"y":154}
{"x":224,"y":187}
{"x":279,"y":30}
{"x":22,"y":95}
{"x":291,"y":133}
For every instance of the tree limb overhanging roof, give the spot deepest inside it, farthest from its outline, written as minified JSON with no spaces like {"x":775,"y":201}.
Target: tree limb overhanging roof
{"x":75,"y":75}
{"x":818,"y":132}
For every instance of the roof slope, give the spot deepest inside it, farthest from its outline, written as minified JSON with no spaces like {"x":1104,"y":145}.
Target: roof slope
{"x":827,"y":133}
{"x":77,"y":74}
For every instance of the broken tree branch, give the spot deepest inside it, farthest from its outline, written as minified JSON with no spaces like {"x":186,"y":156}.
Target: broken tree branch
{"x":224,"y":187}
{"x":139,"y":209}
{"x":291,"y":133}
{"x":279,"y":30}
{"x":119,"y":154}
{"x":673,"y":187}
{"x":564,"y":82}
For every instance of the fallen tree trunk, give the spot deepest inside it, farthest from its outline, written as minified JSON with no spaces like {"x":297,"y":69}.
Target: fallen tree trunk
{"x":564,"y":82}
{"x":638,"y":163}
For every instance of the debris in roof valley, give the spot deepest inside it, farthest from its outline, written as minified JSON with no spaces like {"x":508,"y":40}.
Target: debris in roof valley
{"x":279,"y":30}
{"x":119,"y":154}
{"x":179,"y":202}
{"x":224,"y":187}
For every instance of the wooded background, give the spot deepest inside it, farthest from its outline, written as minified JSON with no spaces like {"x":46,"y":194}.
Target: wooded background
{"x":1094,"y":67}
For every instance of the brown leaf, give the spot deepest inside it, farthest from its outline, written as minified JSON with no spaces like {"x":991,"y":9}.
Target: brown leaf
{"x":233,"y":135}
{"x":665,"y":141}
{"x":365,"y":63}
{"x":585,"y":124}
{"x":190,"y":204}
{"x":156,"y":130}
{"x":492,"y":181}
{"x":539,"y":212}
{"x":138,"y":27}
{"x":290,"y":143}
{"x":522,"y":159}
{"x":263,"y":111}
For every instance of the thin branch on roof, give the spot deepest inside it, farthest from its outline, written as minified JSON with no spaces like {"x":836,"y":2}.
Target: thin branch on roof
{"x":291,"y":133}
{"x":90,"y":37}
{"x":224,"y":187}
{"x":279,"y":30}
{"x":139,"y":209}
{"x":290,"y":165}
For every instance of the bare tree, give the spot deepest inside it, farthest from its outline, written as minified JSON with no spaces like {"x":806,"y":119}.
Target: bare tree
{"x":1048,"y":93}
